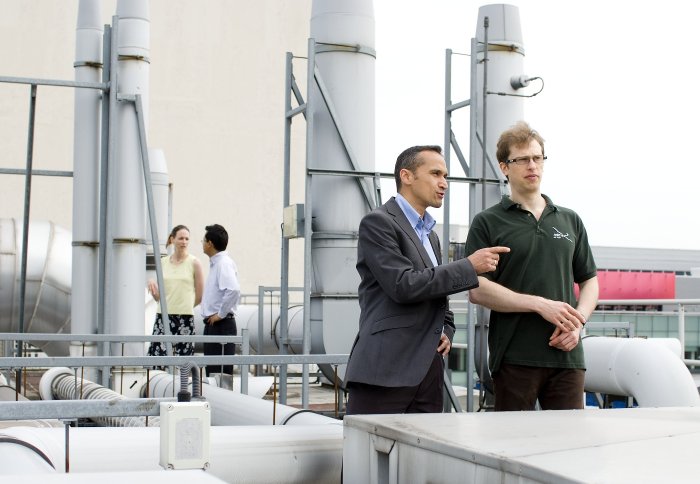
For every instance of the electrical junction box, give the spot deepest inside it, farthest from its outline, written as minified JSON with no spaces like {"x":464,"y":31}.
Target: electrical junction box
{"x":184,"y":435}
{"x":293,"y":221}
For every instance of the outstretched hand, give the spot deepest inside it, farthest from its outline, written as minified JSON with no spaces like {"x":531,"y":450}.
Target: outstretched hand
{"x":486,"y":259}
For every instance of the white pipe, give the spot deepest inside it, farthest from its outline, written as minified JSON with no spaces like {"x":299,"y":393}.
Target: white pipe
{"x":254,"y":454}
{"x":231,"y":408}
{"x":86,"y":174}
{"x":247,"y":317}
{"x":24,"y":451}
{"x":648,"y":370}
{"x":127,"y":271}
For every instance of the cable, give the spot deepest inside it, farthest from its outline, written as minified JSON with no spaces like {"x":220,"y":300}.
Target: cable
{"x":521,"y":95}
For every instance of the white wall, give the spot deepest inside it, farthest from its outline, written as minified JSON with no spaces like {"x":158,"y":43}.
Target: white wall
{"x":217,"y":104}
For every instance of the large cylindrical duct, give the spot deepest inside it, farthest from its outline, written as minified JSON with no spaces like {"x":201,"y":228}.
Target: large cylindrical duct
{"x":641,"y":368}
{"x":279,"y":454}
{"x":248,"y":317}
{"x":505,"y":60}
{"x":86,"y":174}
{"x":127,"y":273}
{"x":344,"y":54}
{"x":47,"y":303}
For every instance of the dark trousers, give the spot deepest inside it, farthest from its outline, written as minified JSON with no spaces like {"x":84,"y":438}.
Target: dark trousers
{"x":423,"y":398}
{"x":225,"y":327}
{"x":518,"y":387}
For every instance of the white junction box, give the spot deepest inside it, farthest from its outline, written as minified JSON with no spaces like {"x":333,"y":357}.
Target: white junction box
{"x":184,"y":435}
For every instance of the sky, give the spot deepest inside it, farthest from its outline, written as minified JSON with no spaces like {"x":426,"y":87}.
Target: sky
{"x":618,"y":111}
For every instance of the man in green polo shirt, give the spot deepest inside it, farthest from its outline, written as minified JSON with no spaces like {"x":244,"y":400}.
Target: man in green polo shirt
{"x":534,"y":343}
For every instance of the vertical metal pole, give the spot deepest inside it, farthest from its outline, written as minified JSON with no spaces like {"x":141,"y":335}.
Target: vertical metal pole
{"x":284,"y":276}
{"x":66,"y":423}
{"x":447,"y":152}
{"x":473,"y":127}
{"x":681,"y":328}
{"x":245,"y":349}
{"x":308,"y":216}
{"x":473,"y":205}
{"x":145,"y":164}
{"x":470,"y":356}
{"x":446,"y":210}
{"x":483,"y":128}
{"x":109,"y":153}
{"x":25,"y":228}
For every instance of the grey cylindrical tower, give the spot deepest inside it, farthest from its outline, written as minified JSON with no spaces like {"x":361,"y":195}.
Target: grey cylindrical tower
{"x":505,"y":60}
{"x":344,"y":35}
{"x":128,"y":221}
{"x":86,"y":174}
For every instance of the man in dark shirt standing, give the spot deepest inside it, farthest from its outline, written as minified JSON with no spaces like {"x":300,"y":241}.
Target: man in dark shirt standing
{"x":534,"y":343}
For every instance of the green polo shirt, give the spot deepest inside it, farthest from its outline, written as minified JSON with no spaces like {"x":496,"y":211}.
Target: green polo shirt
{"x":547,"y":256}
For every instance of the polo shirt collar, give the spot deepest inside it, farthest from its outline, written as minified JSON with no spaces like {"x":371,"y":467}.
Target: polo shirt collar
{"x":507,"y":203}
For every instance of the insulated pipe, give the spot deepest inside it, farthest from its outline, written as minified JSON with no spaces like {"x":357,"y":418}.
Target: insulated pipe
{"x":277,"y":454}
{"x":48,"y":289}
{"x":648,"y":370}
{"x":86,"y":175}
{"x":127,"y":270}
{"x":23,"y":451}
{"x":231,"y":408}
{"x":247,"y":317}
{"x":344,"y":87}
{"x":60,"y":384}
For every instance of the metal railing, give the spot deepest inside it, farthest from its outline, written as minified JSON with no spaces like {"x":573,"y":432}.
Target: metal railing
{"x":244,"y":360}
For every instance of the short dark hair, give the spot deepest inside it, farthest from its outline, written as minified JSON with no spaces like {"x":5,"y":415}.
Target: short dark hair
{"x":173,"y":233}
{"x":518,"y":135}
{"x":409,"y":160}
{"x":217,"y":235}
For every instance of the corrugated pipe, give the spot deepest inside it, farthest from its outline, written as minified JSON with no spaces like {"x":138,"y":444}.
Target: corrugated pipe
{"x":184,"y":395}
{"x":60,"y":383}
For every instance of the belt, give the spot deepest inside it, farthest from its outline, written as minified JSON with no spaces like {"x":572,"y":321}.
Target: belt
{"x":228,"y":316}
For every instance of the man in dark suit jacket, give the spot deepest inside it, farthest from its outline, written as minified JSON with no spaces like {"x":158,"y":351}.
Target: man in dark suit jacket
{"x":396,"y":363}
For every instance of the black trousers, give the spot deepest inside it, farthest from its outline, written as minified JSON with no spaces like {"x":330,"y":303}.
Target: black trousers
{"x":423,"y":398}
{"x":225,"y":327}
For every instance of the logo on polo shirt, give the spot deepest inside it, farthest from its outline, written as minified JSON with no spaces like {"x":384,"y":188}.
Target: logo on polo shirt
{"x":558,"y":234}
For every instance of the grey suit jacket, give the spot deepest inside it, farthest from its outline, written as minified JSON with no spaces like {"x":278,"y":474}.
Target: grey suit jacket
{"x":403,"y":300}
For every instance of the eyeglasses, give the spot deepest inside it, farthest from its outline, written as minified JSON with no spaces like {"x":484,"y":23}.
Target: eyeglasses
{"x":525,"y":160}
